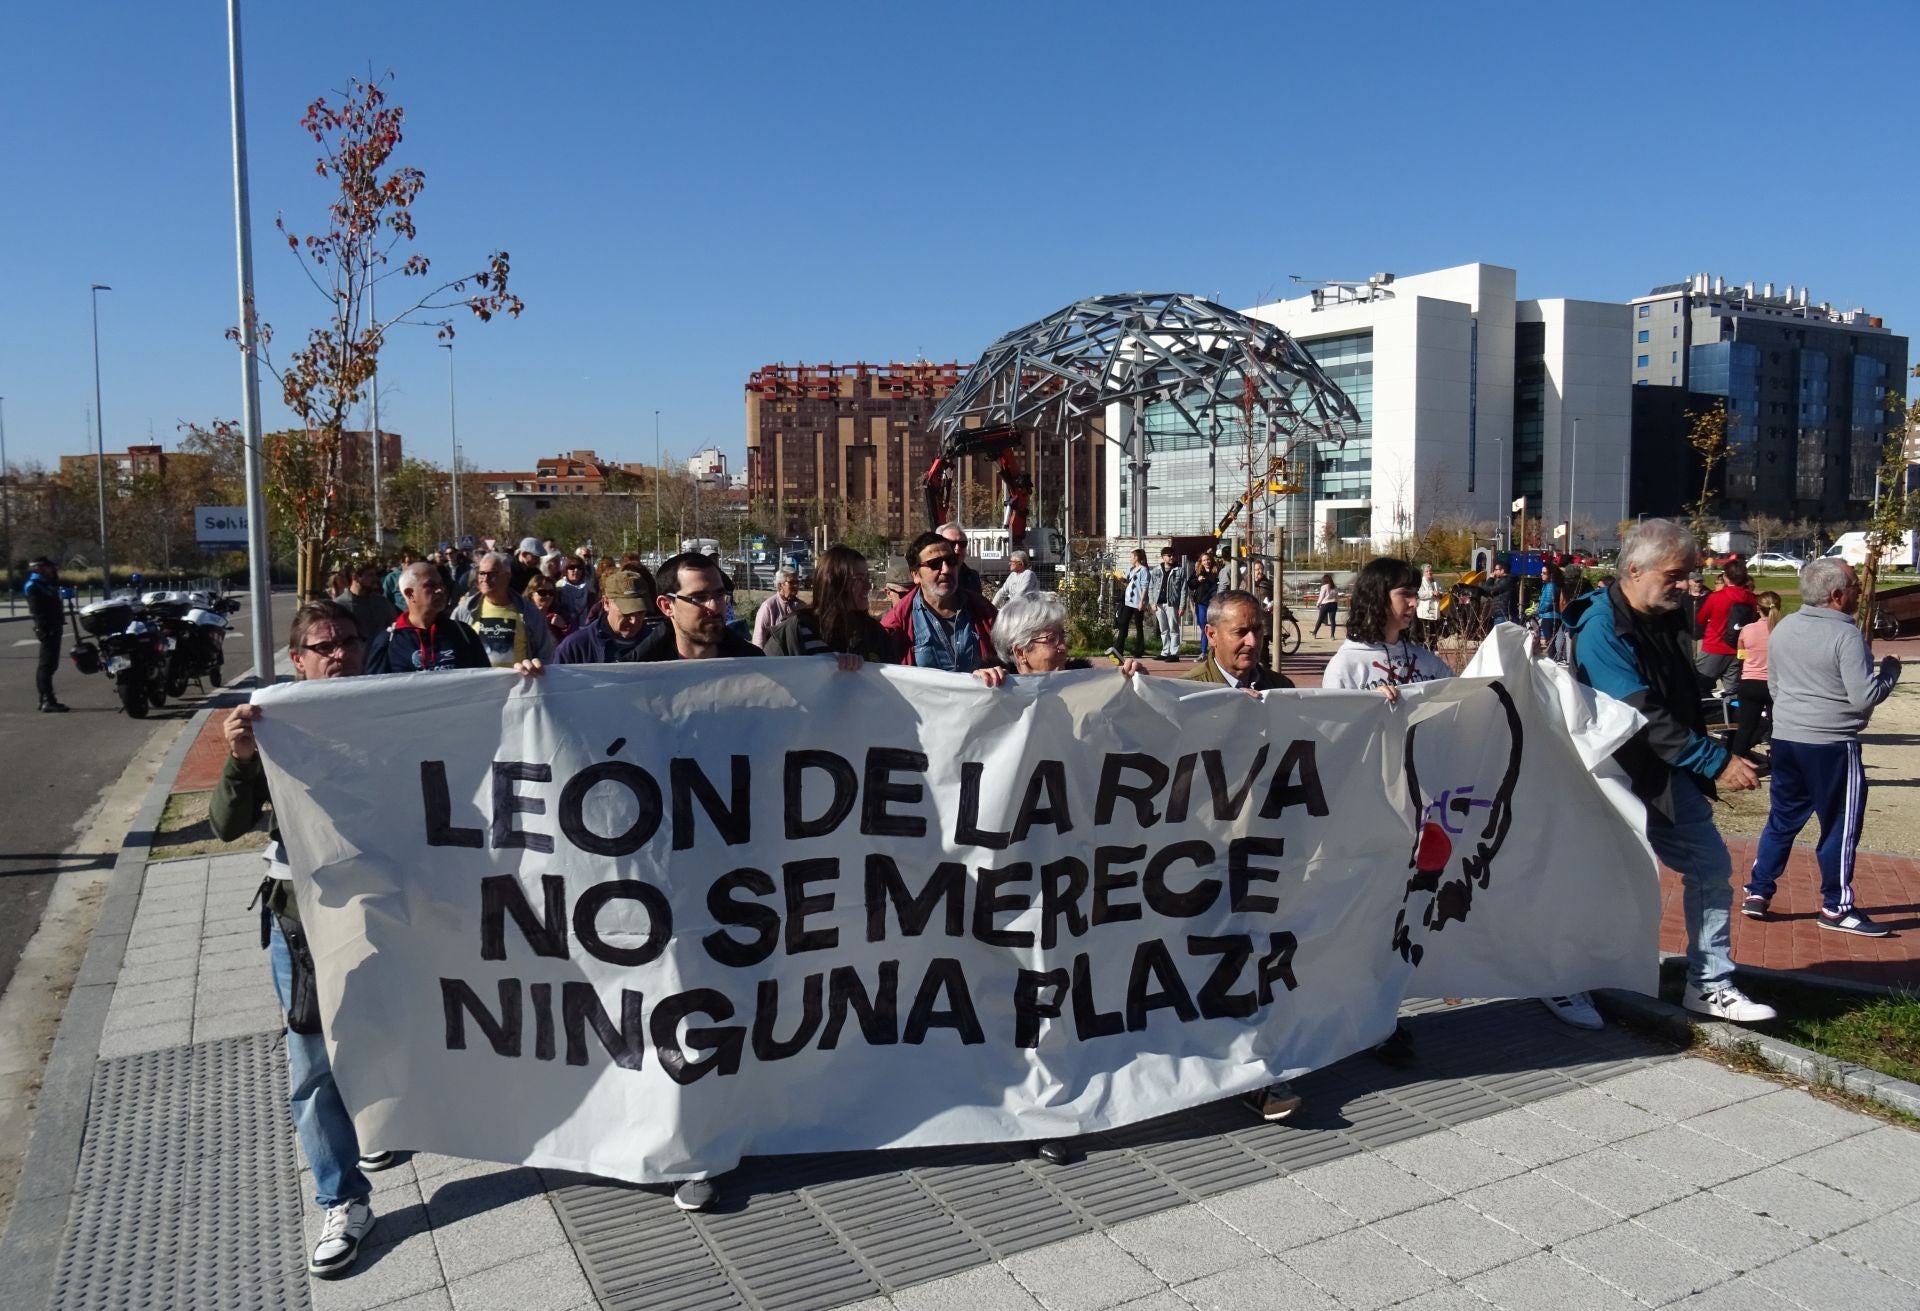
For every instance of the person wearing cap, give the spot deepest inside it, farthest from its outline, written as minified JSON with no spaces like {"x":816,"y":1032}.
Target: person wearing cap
{"x":526,"y":563}
{"x":615,"y":633}
{"x":1020,"y":580}
{"x":43,"y":604}
{"x":899,"y":582}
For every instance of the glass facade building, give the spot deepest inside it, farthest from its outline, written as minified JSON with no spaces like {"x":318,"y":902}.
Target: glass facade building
{"x":1201,"y":460}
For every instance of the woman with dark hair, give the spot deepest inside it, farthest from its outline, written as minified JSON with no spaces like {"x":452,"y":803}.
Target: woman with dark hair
{"x":839,"y":620}
{"x":1206,"y":581}
{"x":1131,"y":610}
{"x":1329,"y":601}
{"x":1378,"y":653}
{"x":546,"y":599}
{"x":1379,"y":650}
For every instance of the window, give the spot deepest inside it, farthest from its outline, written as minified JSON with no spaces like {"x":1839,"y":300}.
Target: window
{"x":1643,"y":335}
{"x":1676,"y":330}
{"x":1640,"y":362}
{"x":1673,"y":357}
{"x":1646,"y":311}
{"x":1641,"y":382}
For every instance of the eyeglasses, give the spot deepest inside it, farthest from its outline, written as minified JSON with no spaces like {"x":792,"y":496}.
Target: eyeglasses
{"x":575,"y":568}
{"x":1053,"y":638}
{"x":705,"y":600}
{"x":328,"y":650}
{"x":486,"y":573}
{"x":939,"y":562}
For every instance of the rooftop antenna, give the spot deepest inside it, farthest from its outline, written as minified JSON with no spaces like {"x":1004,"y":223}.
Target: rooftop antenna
{"x":1340,"y":292}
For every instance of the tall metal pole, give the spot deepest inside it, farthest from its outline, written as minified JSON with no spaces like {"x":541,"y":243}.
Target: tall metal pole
{"x":379,"y":533}
{"x":6,"y":505}
{"x":100,"y":451}
{"x":453,"y":431}
{"x":259,"y":566}
{"x":1573,"y":481}
{"x":659,"y":471}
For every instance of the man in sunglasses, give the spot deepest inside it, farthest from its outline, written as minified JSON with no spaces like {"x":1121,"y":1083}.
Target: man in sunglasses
{"x":693,"y":598}
{"x":940,"y":625}
{"x":324,"y":644}
{"x":425,"y":637}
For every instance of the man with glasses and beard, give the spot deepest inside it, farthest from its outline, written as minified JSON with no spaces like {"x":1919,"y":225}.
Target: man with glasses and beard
{"x":693,"y":597}
{"x":940,"y":625}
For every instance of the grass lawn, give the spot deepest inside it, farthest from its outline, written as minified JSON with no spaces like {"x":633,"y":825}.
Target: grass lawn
{"x":1879,"y":1032}
{"x":185,"y":831}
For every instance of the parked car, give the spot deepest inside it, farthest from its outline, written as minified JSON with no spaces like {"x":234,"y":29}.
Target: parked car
{"x":1775,"y":562}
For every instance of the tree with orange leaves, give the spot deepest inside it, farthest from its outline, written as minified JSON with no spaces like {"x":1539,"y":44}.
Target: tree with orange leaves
{"x":369,"y":219}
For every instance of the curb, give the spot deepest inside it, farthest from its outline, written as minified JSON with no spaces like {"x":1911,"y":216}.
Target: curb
{"x":30,"y":1249}
{"x":1684,"y":1027}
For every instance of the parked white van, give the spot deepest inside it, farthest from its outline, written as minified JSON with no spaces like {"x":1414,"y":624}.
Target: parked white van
{"x":1852,"y":547}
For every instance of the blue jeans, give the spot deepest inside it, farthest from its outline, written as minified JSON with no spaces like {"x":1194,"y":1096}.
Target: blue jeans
{"x":319,"y":1116}
{"x":1200,"y":618}
{"x":1694,"y":847}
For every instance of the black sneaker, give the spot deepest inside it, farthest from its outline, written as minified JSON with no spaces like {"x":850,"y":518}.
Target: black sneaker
{"x":372,"y":1162}
{"x":1397,"y":1050}
{"x":695,"y":1194}
{"x":53,"y":708}
{"x":1754,"y":906}
{"x":1853,"y":922}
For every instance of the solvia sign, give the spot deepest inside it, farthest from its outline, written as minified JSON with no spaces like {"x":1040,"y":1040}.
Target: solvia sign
{"x":220,"y":525}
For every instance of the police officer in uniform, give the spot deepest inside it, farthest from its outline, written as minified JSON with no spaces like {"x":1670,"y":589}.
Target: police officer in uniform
{"x":43,"y":603}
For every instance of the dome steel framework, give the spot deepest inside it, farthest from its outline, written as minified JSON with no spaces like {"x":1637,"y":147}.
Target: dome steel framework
{"x":1128,"y":351}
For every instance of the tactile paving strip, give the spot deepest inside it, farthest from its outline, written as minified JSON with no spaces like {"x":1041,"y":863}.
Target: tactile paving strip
{"x":187,"y":1194}
{"x":816,"y":1232}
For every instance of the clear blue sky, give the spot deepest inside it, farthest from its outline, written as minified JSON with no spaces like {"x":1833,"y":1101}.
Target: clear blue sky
{"x":690,"y":191}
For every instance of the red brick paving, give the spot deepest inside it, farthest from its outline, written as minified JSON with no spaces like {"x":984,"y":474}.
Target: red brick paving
{"x":1886,"y":887}
{"x":201,"y":769}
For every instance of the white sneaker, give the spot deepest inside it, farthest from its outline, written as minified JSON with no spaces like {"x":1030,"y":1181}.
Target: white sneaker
{"x":1727,"y":1003}
{"x":1575,"y":1008}
{"x":340,"y":1237}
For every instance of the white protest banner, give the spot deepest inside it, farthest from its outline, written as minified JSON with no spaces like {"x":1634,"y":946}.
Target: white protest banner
{"x":643,"y":920}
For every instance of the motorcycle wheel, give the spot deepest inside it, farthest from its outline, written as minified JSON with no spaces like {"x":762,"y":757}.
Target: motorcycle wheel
{"x":158,"y":695}
{"x":133,"y":697}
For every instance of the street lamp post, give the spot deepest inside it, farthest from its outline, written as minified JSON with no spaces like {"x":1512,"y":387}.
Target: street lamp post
{"x":658,"y":470}
{"x":1573,"y":482}
{"x":453,"y":431}
{"x":100,"y":452}
{"x":6,"y":505}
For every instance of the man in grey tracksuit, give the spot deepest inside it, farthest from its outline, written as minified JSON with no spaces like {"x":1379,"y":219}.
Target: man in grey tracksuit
{"x":1821,"y":673}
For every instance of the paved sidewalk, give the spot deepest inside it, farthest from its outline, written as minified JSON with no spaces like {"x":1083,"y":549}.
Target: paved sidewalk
{"x":1519,"y":1163}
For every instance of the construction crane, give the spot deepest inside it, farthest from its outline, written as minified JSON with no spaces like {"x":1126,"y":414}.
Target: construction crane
{"x":1271,"y":481}
{"x":1004,"y":445}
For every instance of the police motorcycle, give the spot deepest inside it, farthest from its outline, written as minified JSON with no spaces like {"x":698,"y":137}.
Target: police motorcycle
{"x":195,"y":624}
{"x":129,"y":646}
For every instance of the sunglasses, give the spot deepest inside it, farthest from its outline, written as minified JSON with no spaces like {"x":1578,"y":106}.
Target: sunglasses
{"x":705,"y":600}
{"x":939,"y":562}
{"x":327,"y":650}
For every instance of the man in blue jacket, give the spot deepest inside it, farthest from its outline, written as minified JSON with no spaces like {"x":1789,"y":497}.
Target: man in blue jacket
{"x":1633,"y":641}
{"x":43,"y":604}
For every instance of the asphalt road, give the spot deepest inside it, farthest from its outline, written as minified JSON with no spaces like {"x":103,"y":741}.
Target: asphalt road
{"x":57,"y":766}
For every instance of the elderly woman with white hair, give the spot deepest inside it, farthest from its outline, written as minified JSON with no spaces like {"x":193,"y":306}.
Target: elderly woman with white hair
{"x":778,"y":608}
{"x":1030,"y":637}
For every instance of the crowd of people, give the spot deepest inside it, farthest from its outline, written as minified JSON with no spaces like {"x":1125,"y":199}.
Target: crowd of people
{"x":1632,"y":639}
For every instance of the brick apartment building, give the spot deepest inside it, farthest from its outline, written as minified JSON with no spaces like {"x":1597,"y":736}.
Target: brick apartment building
{"x":846,"y":445}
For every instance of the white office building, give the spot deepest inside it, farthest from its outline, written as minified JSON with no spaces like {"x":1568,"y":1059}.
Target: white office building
{"x":1469,"y":399}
